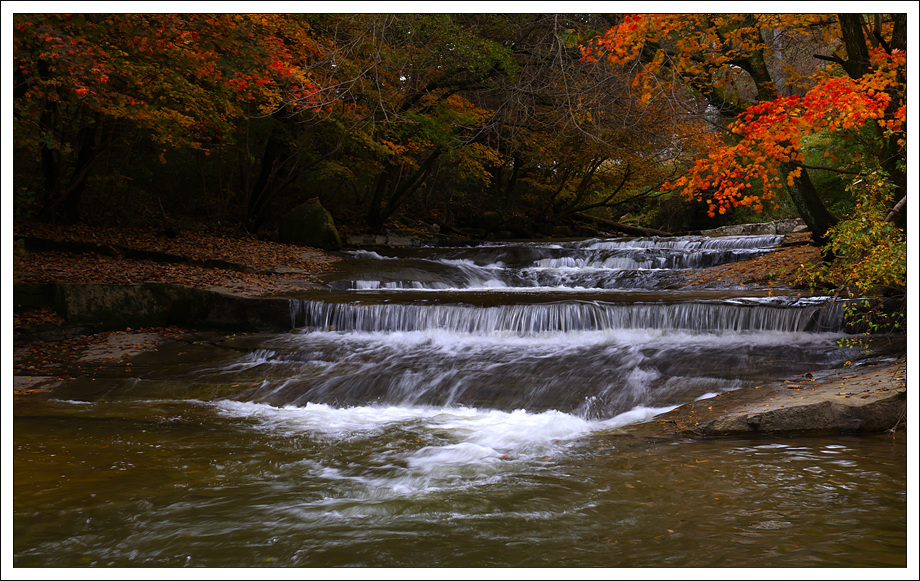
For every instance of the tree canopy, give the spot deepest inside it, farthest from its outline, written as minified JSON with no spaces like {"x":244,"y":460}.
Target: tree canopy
{"x":793,"y":95}
{"x":539,"y":120}
{"x":750,"y":68}
{"x":237,"y":116}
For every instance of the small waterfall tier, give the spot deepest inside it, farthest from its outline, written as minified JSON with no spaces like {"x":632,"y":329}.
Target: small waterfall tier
{"x":780,"y":314}
{"x":631,"y":263}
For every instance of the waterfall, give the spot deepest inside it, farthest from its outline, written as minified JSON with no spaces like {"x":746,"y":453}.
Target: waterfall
{"x":780,"y":314}
{"x":596,"y":328}
{"x":597,"y":263}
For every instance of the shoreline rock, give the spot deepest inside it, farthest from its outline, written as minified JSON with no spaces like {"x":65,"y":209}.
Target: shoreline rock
{"x":791,"y":226}
{"x":97,"y":307}
{"x":871,"y":398}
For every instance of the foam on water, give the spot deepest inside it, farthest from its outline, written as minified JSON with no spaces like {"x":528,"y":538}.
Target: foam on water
{"x":496,"y":430}
{"x":459,"y":447}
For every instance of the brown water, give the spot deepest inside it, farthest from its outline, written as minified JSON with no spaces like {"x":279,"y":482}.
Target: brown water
{"x":170,"y":484}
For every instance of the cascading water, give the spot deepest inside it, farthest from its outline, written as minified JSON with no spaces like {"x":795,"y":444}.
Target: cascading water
{"x":542,"y":326}
{"x":596,"y":264}
{"x":451,"y":407}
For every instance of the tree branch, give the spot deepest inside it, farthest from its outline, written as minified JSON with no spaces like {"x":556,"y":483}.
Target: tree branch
{"x":896,"y":209}
{"x":833,"y":169}
{"x":832,"y":58}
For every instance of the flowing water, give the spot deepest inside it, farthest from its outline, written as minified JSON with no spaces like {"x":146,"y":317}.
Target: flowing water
{"x":458,"y":407}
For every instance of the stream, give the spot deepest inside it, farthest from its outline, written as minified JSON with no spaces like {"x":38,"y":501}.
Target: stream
{"x":459,"y":407}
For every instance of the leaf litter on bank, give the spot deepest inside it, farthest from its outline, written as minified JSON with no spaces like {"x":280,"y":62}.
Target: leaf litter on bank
{"x":274,"y":267}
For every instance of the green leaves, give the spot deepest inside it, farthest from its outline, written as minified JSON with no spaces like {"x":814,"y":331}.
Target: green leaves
{"x":870,"y":261}
{"x":871,"y":253}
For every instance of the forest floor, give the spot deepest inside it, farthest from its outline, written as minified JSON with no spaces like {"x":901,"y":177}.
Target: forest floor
{"x":85,"y":254}
{"x":252,"y":267}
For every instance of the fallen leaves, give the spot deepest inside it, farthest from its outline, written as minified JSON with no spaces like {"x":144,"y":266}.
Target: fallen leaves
{"x":37,"y":318}
{"x":64,"y":358}
{"x":778,"y":267}
{"x":197,"y":259}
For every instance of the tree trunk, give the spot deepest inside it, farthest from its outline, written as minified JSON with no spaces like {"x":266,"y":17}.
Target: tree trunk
{"x":51,"y":163}
{"x":809,"y":205}
{"x":624,"y":228}
{"x":87,"y":138}
{"x":851,"y":30}
{"x":264,"y":188}
{"x":390,"y":192}
{"x":375,"y":214}
{"x":63,"y":194}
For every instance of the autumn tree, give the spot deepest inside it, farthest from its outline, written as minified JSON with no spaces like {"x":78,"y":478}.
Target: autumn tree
{"x":470,"y":112}
{"x":573,"y":136}
{"x":407,"y":77}
{"x":734,"y":62}
{"x":84,"y":83}
{"x":379,"y":113}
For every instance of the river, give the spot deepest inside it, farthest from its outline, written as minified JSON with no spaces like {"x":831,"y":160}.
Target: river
{"x":458,"y":407}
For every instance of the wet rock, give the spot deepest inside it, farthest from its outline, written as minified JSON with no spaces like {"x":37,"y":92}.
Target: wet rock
{"x":825,"y":417}
{"x":870,"y":399}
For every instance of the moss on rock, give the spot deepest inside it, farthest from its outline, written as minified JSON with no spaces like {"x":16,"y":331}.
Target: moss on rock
{"x":310,"y":224}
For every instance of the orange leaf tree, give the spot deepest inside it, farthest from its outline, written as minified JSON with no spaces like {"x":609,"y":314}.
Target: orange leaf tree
{"x":82,"y":83}
{"x":735,"y":62}
{"x":772,"y":135}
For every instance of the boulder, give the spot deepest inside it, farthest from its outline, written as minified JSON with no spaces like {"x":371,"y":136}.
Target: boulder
{"x":563,"y":231}
{"x":736,"y":230}
{"x":790,"y":226}
{"x":310,"y":224}
{"x":762,"y":229}
{"x":491,"y":220}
